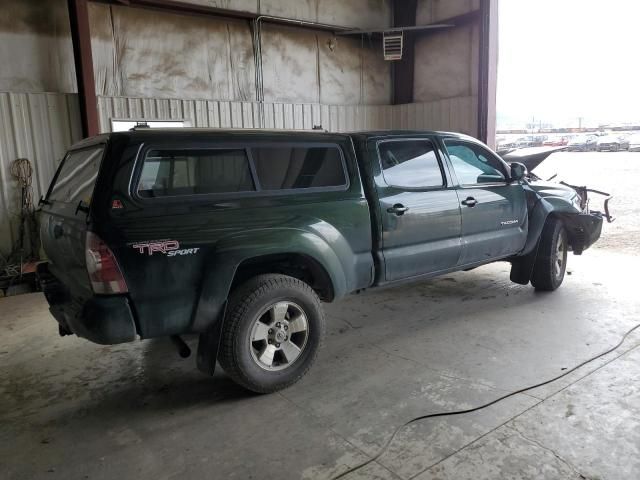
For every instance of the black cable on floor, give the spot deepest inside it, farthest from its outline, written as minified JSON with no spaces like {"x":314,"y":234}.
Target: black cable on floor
{"x":493,"y":402}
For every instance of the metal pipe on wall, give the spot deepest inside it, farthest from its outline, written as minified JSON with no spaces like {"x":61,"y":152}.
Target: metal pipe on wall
{"x":257,"y":48}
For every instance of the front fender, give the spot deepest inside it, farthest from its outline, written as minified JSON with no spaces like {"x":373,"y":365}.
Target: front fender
{"x":223,"y":260}
{"x":542,"y":207}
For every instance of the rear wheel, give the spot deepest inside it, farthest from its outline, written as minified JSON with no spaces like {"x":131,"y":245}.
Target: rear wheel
{"x":551,"y":262}
{"x":274,"y":327}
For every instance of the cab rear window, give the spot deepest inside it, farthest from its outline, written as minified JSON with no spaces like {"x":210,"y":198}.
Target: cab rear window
{"x":167,"y":173}
{"x":76,"y":176}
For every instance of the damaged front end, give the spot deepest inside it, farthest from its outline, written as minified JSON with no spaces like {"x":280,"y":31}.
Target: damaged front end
{"x":583,"y":193}
{"x":584,"y":228}
{"x":546,"y":199}
{"x":534,"y":156}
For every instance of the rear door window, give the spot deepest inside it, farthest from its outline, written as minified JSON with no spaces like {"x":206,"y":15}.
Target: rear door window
{"x":169,"y":172}
{"x":77,"y":175}
{"x":410,"y":164}
{"x":295,"y":167}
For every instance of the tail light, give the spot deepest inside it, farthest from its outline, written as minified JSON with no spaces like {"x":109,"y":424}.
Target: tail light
{"x":102,"y":266}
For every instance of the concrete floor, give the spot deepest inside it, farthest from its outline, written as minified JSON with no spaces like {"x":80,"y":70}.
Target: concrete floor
{"x":73,"y":410}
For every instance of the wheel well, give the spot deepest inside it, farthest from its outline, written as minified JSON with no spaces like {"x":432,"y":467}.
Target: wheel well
{"x":295,"y":265}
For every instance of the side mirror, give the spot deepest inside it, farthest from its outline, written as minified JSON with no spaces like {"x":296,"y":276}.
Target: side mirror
{"x":518,"y":171}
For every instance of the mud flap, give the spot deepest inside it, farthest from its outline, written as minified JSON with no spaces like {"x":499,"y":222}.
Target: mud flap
{"x":209,"y":344}
{"x":522,"y":267}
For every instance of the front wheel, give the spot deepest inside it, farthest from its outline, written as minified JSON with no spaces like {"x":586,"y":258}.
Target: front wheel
{"x":272,"y":332}
{"x":551,"y":262}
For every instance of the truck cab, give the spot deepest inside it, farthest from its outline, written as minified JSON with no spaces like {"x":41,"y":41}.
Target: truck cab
{"x":442,"y":202}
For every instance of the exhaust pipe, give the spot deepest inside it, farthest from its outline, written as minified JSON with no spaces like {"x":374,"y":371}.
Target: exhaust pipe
{"x":183,"y":349}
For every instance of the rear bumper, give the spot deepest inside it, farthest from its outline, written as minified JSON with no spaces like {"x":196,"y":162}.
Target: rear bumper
{"x":101,"y":319}
{"x":104,"y":320}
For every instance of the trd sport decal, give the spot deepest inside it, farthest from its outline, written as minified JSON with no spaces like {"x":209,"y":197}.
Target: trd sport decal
{"x":170,"y":248}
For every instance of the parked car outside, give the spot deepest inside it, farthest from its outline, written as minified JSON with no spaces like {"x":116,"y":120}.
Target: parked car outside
{"x":238,"y":236}
{"x":612,"y":143}
{"x":558,"y":141}
{"x":507,"y":145}
{"x":634,"y":142}
{"x":624,"y":142}
{"x":583,"y":143}
{"x":524,"y":142}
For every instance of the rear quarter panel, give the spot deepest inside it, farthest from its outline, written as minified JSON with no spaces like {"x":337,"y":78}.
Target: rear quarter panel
{"x":185,"y":292}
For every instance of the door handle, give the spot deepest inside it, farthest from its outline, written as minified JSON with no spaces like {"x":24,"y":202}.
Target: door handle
{"x":470,"y":202}
{"x":398,"y":209}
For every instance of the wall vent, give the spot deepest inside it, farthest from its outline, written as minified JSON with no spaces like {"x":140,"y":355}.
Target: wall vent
{"x":392,"y":45}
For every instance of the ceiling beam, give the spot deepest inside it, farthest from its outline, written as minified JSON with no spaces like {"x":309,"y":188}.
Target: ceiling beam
{"x":174,"y":6}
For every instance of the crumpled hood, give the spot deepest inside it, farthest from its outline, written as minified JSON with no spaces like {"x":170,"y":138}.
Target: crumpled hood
{"x":530,"y":157}
{"x":556,"y":190}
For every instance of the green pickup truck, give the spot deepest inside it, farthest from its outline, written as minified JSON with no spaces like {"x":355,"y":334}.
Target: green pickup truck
{"x":238,"y":236}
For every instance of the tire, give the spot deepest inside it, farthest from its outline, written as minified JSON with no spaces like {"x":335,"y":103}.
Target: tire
{"x":551,"y":262}
{"x":258,"y":348}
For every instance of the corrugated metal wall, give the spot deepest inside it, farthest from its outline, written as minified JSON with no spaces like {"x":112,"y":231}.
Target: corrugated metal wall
{"x":224,"y":114}
{"x":39,"y":127}
{"x":452,"y":114}
{"x":458,"y":114}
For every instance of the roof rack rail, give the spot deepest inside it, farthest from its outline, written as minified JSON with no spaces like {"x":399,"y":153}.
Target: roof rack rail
{"x":139,"y":126}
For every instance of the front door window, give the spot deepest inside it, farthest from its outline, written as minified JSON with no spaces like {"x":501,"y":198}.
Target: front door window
{"x":474,"y":165}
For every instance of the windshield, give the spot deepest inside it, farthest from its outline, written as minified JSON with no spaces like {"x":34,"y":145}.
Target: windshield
{"x":76,"y":176}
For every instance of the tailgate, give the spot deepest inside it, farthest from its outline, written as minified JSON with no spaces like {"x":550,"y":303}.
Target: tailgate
{"x":63,"y":222}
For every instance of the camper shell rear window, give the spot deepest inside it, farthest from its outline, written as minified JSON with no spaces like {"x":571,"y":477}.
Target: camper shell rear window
{"x":76,"y":176}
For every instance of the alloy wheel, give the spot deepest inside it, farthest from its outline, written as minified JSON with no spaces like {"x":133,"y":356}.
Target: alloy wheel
{"x":559,"y":258}
{"x":279,"y":336}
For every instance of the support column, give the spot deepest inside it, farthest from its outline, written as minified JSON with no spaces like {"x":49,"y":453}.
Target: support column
{"x":404,"y":15}
{"x":488,"y":71}
{"x":81,"y":38}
